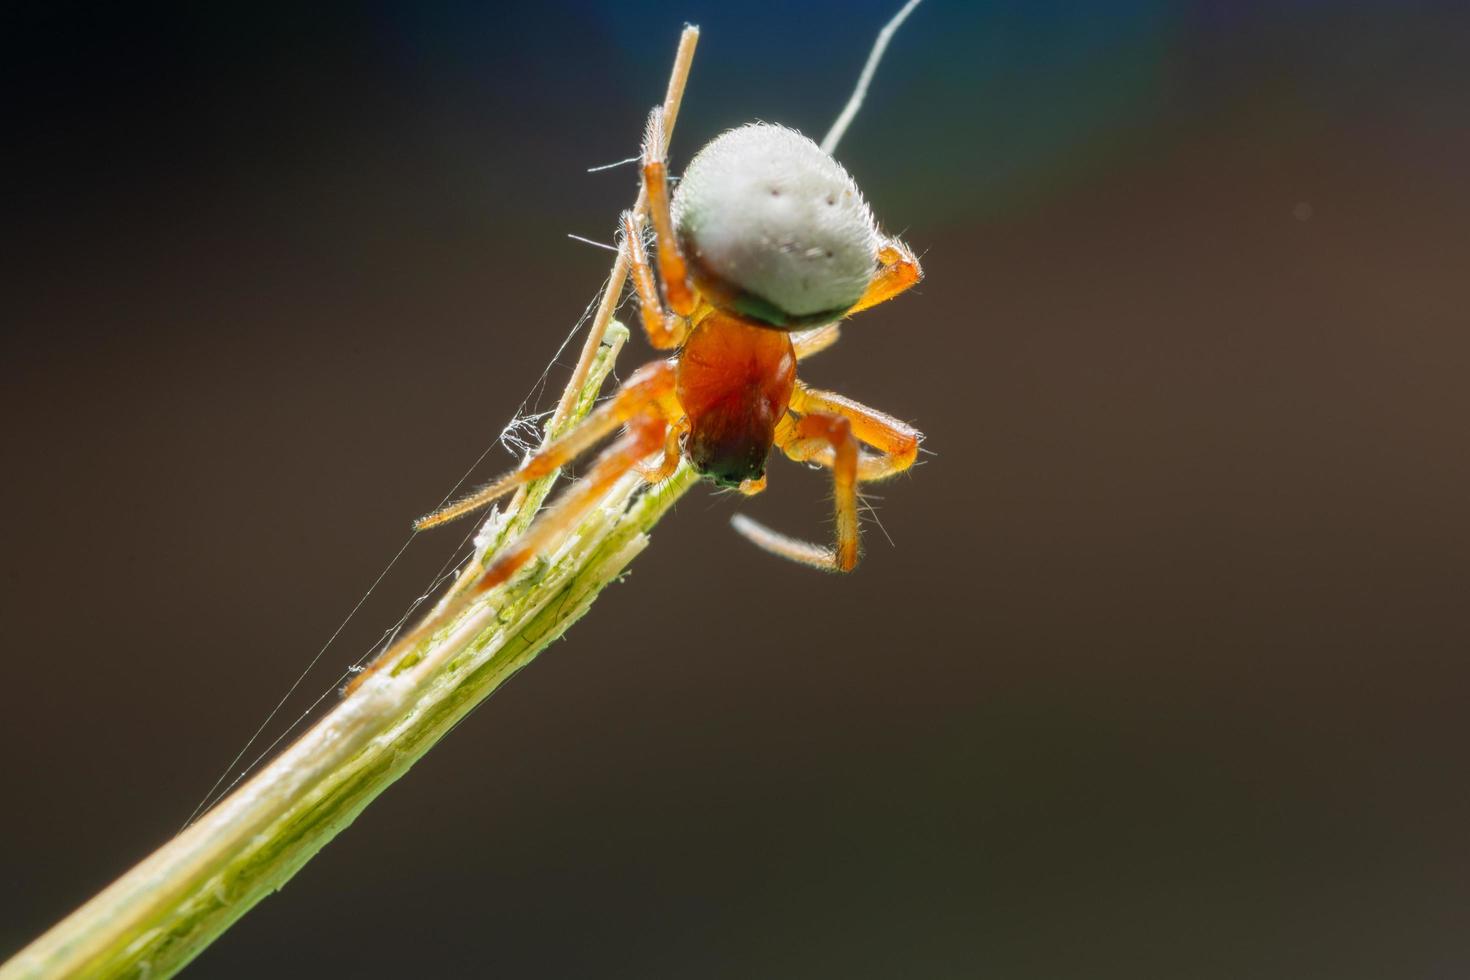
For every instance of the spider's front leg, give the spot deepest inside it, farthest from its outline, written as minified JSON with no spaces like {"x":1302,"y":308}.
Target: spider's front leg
{"x":828,"y":433}
{"x":665,"y":330}
{"x":678,"y":291}
{"x":651,"y":388}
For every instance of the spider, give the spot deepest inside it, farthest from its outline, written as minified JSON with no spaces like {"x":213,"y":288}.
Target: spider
{"x":766,"y":244}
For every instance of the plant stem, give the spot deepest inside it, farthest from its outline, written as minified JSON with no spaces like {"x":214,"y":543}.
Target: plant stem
{"x":157,"y":917}
{"x":160,"y":915}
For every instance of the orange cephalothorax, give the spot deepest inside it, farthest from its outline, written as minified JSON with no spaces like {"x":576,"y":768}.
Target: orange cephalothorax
{"x":734,"y":382}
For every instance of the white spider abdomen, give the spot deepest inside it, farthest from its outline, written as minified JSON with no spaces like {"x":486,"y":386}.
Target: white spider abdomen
{"x":774,"y":228}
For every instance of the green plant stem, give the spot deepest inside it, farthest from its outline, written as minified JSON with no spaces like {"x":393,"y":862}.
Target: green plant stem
{"x":159,"y":916}
{"x":156,"y":918}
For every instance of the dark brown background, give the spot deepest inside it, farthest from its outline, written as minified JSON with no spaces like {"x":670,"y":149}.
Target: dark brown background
{"x":1165,"y":675}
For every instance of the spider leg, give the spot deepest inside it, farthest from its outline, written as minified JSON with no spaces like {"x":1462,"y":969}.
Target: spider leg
{"x":644,"y":436}
{"x":814,"y":340}
{"x":673,"y":454}
{"x":651,"y":386}
{"x":828,"y":433}
{"x":809,"y":438}
{"x":897,"y":442}
{"x":898,"y":270}
{"x":665,"y":330}
{"x":671,"y":267}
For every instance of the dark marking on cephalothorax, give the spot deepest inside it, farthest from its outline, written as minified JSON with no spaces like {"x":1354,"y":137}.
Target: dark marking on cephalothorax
{"x":729,"y":442}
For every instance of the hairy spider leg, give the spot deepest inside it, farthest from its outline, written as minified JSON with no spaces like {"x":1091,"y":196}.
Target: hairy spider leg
{"x":898,"y":270}
{"x":808,"y":438}
{"x":678,"y":292}
{"x":897,"y":442}
{"x":665,"y":330}
{"x":828,"y":434}
{"x":650,"y":386}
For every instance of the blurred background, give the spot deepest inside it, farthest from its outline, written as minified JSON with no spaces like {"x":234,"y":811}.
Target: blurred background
{"x":1163,"y":672}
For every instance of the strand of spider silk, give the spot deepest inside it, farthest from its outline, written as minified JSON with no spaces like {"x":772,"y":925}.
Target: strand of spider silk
{"x":617,"y":335}
{"x":387,"y":639}
{"x":405,"y":651}
{"x":499,"y":524}
{"x":860,"y":91}
{"x":209,"y":798}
